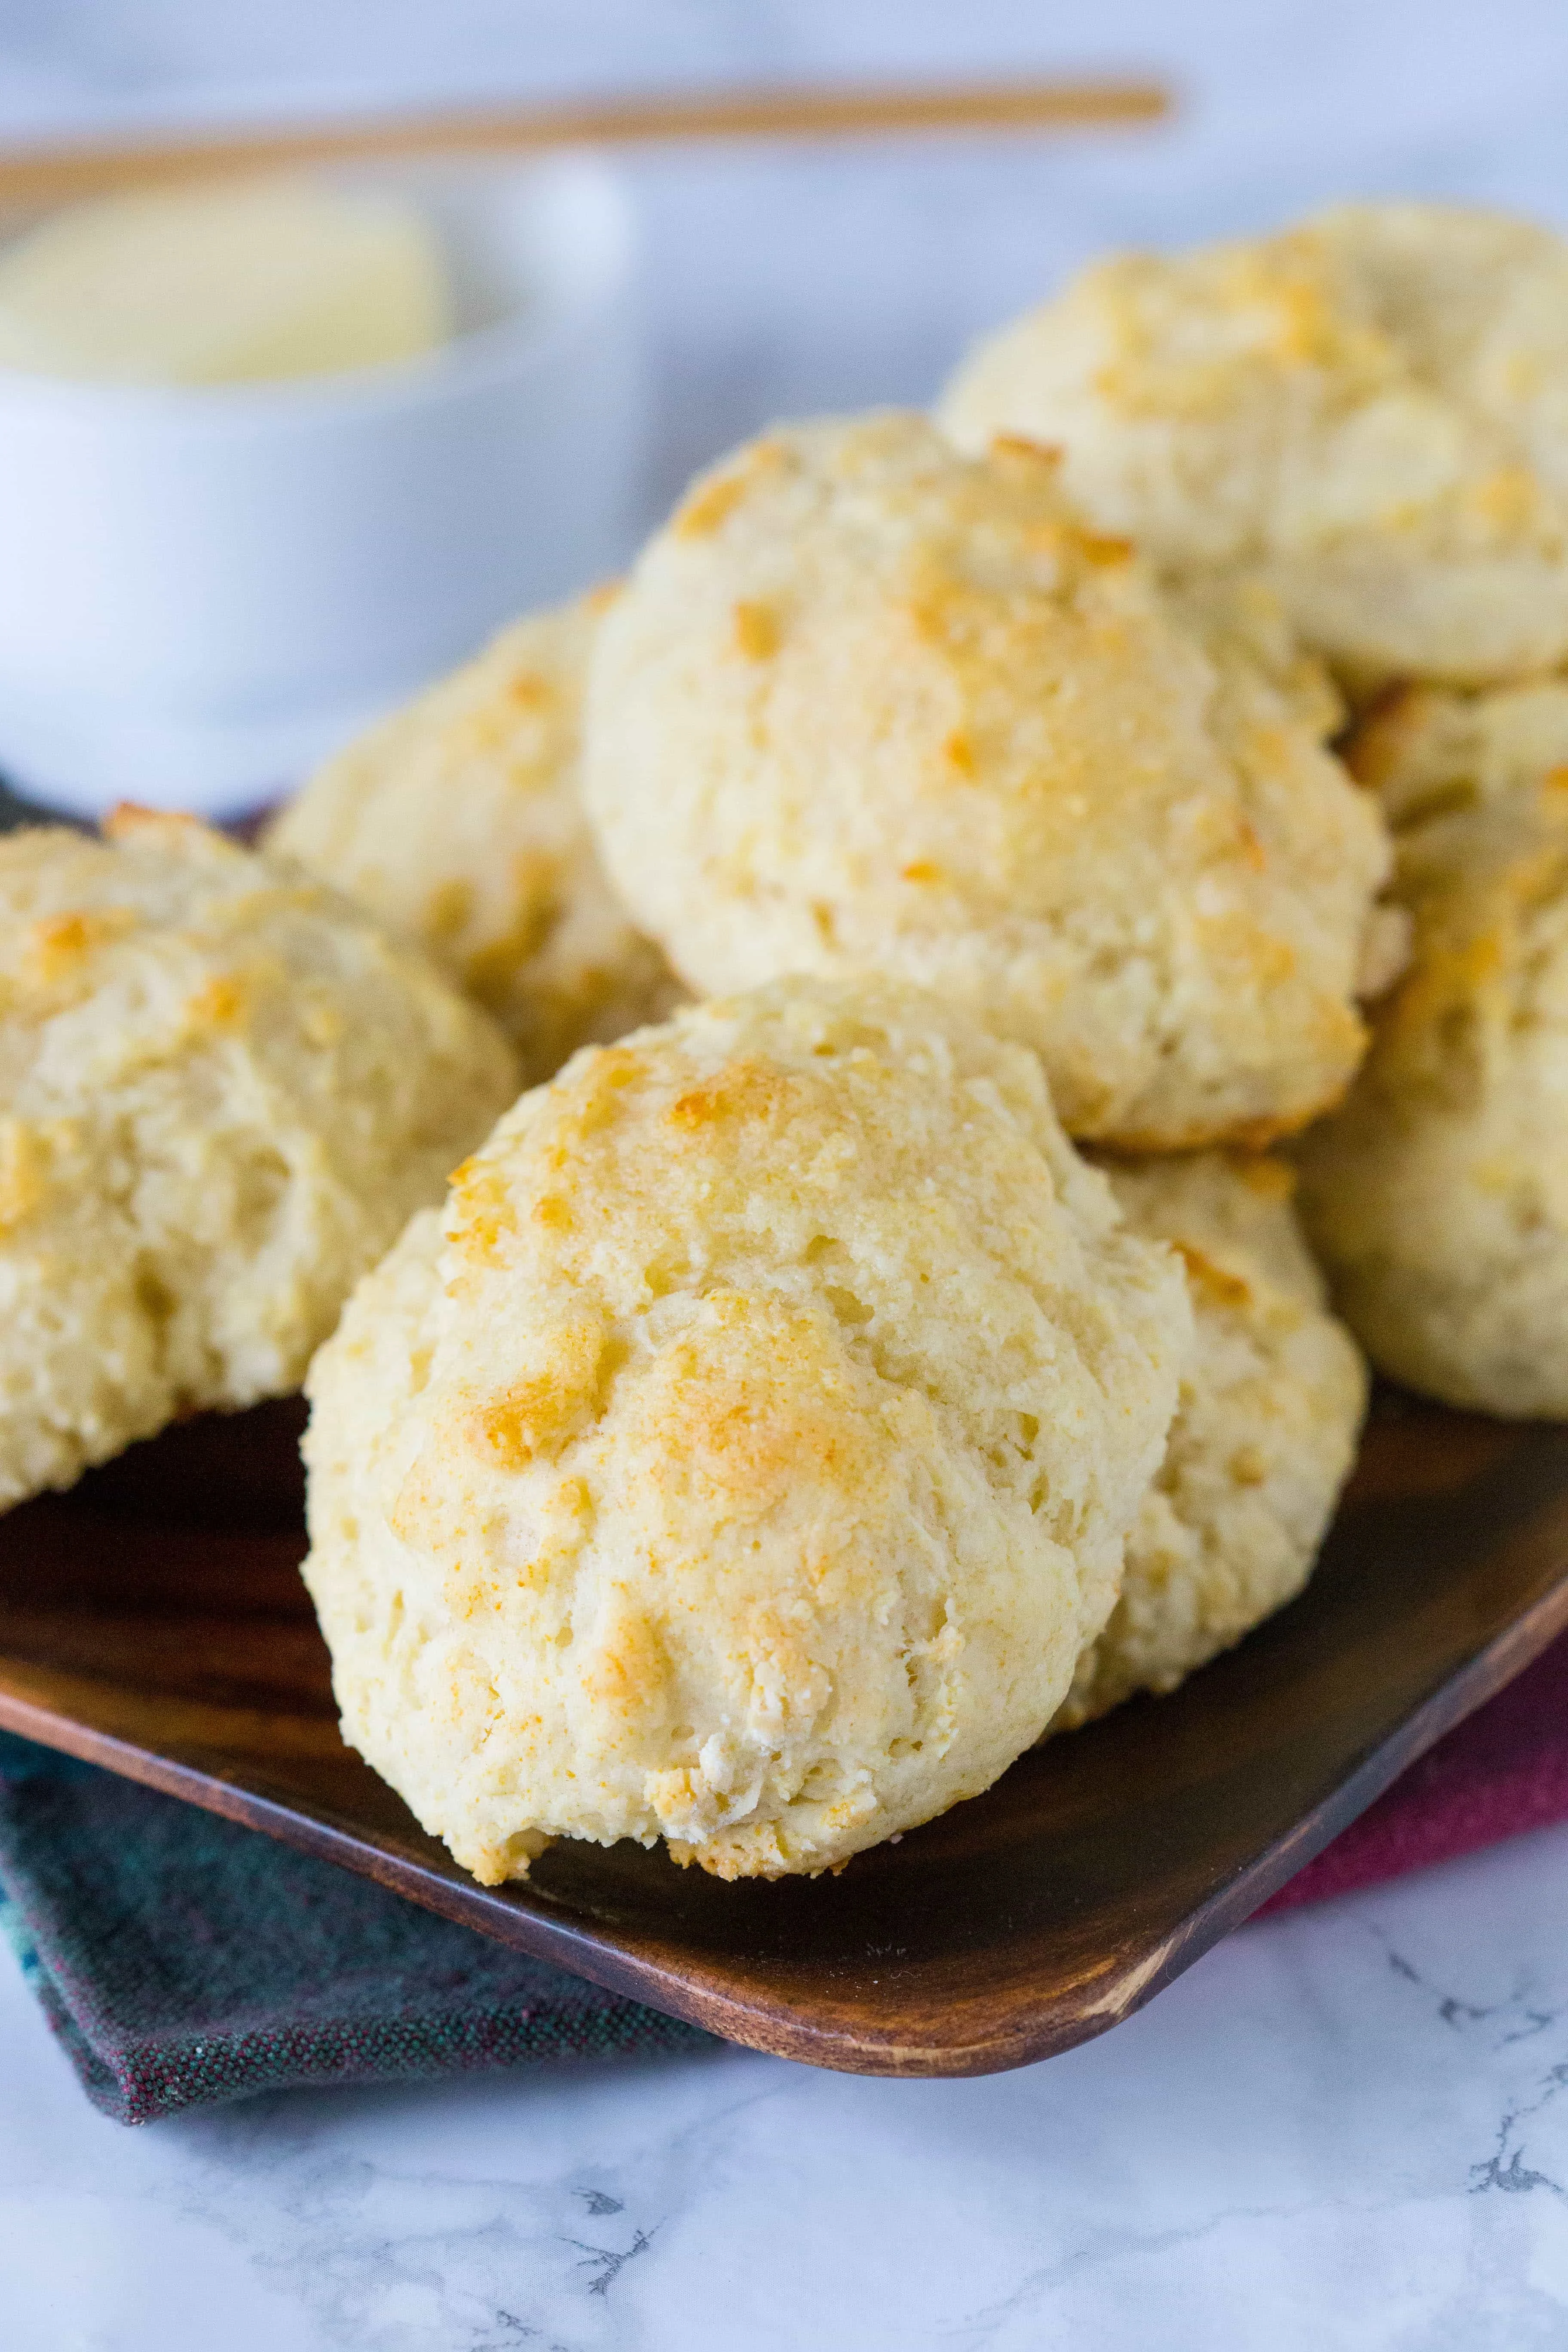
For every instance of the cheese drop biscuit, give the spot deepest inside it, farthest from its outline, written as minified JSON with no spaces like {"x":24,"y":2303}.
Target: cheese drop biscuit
{"x":1265,"y":1435}
{"x":1368,"y":412}
{"x":745,"y":1456}
{"x":866,"y":706}
{"x":1437,"y":1197}
{"x":460,"y":822}
{"x":224,"y":1091}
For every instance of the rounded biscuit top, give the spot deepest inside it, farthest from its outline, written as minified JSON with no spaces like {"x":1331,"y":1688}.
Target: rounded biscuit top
{"x":1437,"y":1197}
{"x":459,"y":821}
{"x":745,"y":1457}
{"x":1368,"y":411}
{"x":224,"y":1092}
{"x":866,"y":705}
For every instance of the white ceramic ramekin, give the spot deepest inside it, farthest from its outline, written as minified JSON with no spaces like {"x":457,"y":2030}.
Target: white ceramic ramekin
{"x":202,"y":592}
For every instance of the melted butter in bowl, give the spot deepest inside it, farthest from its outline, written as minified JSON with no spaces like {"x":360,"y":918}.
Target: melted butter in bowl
{"x":225,"y":284}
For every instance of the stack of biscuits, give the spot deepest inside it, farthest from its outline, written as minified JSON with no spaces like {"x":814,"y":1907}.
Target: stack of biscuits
{"x":1023,"y":931}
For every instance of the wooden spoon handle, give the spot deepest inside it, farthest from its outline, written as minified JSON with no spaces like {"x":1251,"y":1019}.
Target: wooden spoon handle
{"x":57,"y":172}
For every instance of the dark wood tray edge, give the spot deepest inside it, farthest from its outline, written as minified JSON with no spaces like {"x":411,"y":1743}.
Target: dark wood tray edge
{"x":419,"y":1869}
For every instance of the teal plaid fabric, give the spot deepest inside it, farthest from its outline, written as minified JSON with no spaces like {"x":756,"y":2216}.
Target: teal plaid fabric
{"x":182,"y":1960}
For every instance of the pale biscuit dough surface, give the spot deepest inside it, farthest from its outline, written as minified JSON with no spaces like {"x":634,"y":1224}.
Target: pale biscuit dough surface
{"x":1368,"y":411}
{"x":1437,"y":1197}
{"x":1263,"y":1437}
{"x":868,"y":705}
{"x":224,"y":1091}
{"x":746,"y":1456}
{"x":459,"y":821}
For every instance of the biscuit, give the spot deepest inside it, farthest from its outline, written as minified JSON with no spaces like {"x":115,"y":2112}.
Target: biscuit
{"x":1425,"y":750}
{"x":1437,"y":1197}
{"x":224,"y":1093}
{"x":1368,"y":411}
{"x":460,"y":822}
{"x":867,"y":706}
{"x":745,"y":1457}
{"x":1263,"y":1437}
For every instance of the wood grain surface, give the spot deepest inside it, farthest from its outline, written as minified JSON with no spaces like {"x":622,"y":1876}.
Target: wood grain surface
{"x":60,"y":172}
{"x":153,"y":1621}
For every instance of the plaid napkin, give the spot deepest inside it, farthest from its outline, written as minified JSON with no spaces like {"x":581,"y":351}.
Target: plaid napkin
{"x":182,"y":1960}
{"x":1503,"y":1771}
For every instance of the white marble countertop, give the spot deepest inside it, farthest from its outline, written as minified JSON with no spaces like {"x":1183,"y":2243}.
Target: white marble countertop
{"x":1345,"y":2127}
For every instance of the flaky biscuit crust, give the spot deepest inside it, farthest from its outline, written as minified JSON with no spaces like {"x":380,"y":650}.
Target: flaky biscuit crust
{"x":459,"y":821}
{"x":224,"y":1092}
{"x":746,"y":1456}
{"x":1368,"y":412}
{"x":866,"y":706}
{"x":1265,"y":1435}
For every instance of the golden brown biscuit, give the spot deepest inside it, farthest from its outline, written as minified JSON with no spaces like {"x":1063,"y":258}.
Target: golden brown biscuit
{"x":866,"y":706}
{"x":1438,"y":1197}
{"x":224,"y":1092}
{"x":746,"y":1458}
{"x":1426,"y":750}
{"x":1368,"y":412}
{"x":1263,"y":1437}
{"x":459,"y":821}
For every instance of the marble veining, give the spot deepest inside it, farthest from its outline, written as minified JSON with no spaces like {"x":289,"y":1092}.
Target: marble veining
{"x":1345,"y":2126}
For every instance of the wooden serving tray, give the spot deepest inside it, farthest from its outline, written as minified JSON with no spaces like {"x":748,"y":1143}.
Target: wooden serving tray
{"x":151,"y":1621}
